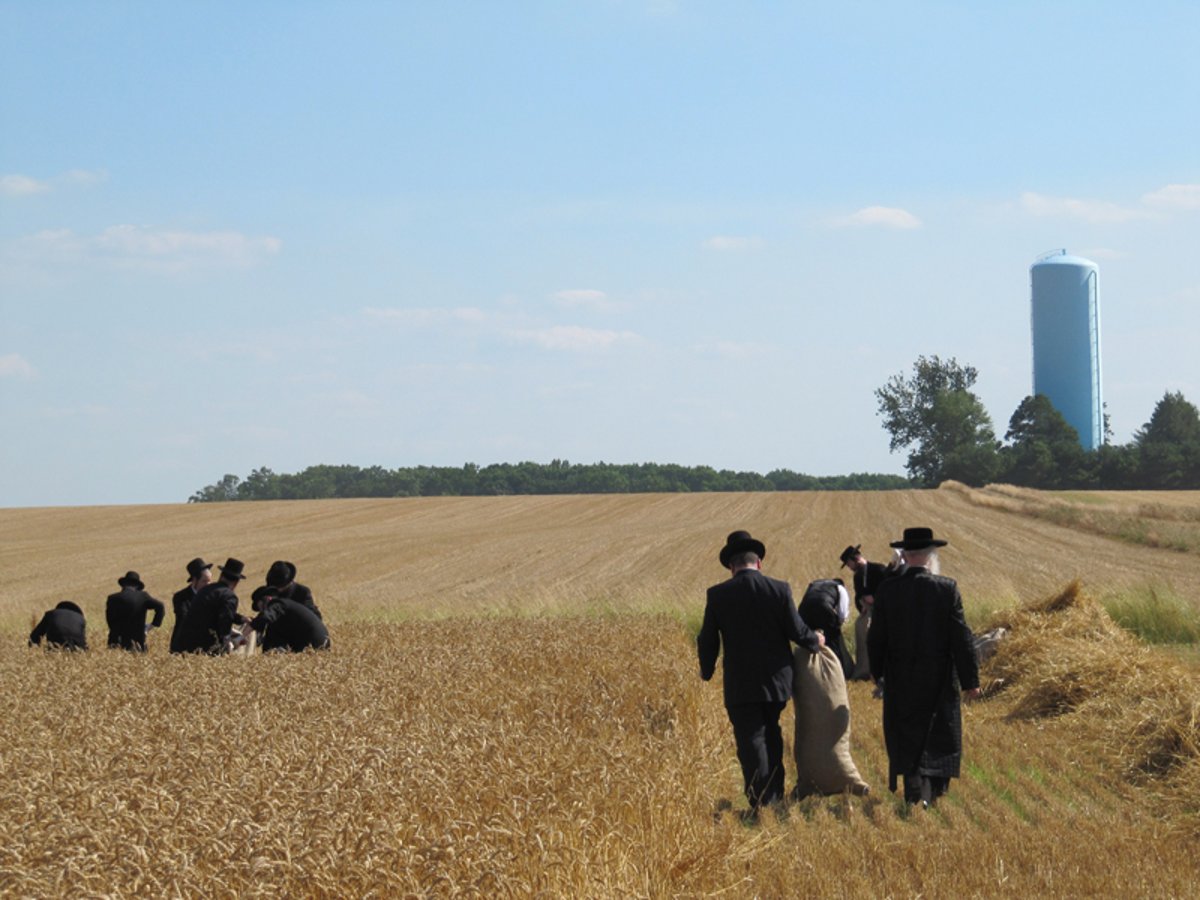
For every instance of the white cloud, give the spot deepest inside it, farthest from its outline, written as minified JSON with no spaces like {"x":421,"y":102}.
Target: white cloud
{"x":587,"y":298}
{"x":14,"y":365}
{"x":574,"y":337}
{"x":1174,"y":196}
{"x":1095,"y":212}
{"x":883,"y":216}
{"x":135,"y":247}
{"x":21,"y":185}
{"x":723,"y":243}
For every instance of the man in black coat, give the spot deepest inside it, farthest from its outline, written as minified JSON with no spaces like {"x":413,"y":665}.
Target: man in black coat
{"x":824,"y":607}
{"x":126,"y":611}
{"x":208,"y":621}
{"x":923,"y":650}
{"x":62,"y":627}
{"x":867,"y":578}
{"x":755,"y":618}
{"x":282,"y":577}
{"x":286,"y":624}
{"x":199,"y":575}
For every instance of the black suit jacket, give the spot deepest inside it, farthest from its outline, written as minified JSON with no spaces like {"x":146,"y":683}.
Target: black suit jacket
{"x":207,"y":619}
{"x":288,"y":625}
{"x":867,"y":581}
{"x":61,"y":628}
{"x":755,"y":618}
{"x":125,"y":613}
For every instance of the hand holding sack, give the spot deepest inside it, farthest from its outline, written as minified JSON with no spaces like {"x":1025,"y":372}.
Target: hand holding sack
{"x":822,"y":739}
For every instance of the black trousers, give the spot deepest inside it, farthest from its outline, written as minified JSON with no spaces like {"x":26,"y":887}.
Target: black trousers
{"x":128,"y":640}
{"x":924,"y":788}
{"x":759,"y":749}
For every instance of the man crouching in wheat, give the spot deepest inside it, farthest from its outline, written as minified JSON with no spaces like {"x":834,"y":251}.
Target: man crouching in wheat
{"x":922,"y":649}
{"x":756,"y":620}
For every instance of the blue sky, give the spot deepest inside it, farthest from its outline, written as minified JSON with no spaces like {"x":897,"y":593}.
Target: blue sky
{"x":279,"y":234}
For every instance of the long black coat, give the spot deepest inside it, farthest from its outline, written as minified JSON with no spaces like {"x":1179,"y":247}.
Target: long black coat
{"x":920,"y":644}
{"x":288,"y":625}
{"x":207,"y":619}
{"x":755,"y":617}
{"x":61,"y":628}
{"x":181,"y":602}
{"x":125,"y":613}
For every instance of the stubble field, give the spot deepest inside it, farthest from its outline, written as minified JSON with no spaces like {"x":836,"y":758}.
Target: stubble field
{"x":512,"y":707}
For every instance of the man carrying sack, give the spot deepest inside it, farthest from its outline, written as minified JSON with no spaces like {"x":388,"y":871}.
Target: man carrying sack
{"x":755,"y":619}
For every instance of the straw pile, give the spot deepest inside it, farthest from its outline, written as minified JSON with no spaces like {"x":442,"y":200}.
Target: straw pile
{"x":1136,"y":706}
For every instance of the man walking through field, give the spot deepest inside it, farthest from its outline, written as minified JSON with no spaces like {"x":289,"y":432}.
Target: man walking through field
{"x":922,"y":649}
{"x":755,"y":618}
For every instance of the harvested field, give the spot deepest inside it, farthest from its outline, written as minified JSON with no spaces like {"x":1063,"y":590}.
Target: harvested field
{"x":511,"y":707}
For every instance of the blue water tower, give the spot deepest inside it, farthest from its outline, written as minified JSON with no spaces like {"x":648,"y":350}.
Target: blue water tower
{"x":1066,"y":341}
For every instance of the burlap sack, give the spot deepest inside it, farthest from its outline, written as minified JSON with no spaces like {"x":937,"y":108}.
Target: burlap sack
{"x":822,"y":740}
{"x":862,"y":663}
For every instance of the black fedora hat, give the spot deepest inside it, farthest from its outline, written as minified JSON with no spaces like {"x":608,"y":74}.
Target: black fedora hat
{"x":741,"y":542}
{"x":281,"y":573}
{"x":849,"y":553}
{"x":232,"y":569}
{"x":195,"y":567}
{"x":131,"y":579}
{"x":263,"y":595}
{"x":67,"y":604}
{"x":917,"y":539}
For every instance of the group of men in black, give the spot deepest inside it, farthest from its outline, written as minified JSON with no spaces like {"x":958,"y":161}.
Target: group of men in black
{"x":206,"y":614}
{"x":914,"y":640}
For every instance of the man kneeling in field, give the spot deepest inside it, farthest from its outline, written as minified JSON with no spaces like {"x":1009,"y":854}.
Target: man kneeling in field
{"x":286,"y":624}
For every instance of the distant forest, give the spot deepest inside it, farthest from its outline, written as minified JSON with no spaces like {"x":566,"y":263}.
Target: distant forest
{"x":557,"y":477}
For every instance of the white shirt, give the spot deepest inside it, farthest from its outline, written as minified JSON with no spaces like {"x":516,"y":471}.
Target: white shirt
{"x":843,"y":604}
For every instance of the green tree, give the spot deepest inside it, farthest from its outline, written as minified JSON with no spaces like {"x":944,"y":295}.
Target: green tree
{"x":1044,"y":449}
{"x":935,"y":414}
{"x":1168,"y":446}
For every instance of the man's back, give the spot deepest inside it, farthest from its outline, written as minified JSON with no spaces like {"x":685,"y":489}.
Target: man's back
{"x":755,"y":619}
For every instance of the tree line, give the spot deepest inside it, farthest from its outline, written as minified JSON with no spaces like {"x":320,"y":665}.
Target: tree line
{"x":556,"y":477}
{"x":934,"y":414}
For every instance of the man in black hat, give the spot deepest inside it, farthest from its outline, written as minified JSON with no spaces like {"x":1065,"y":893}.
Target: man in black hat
{"x":282,"y":577}
{"x":126,"y":611}
{"x":208,"y":622}
{"x":922,"y":648}
{"x":199,"y":575}
{"x":754,"y":617}
{"x":867,"y":578}
{"x":286,"y":624}
{"x":62,"y":627}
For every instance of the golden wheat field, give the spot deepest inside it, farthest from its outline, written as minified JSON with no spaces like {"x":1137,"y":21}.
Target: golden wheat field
{"x":512,"y":708}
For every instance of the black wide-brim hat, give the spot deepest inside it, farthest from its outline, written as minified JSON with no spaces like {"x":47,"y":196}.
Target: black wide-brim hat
{"x":281,"y":573}
{"x":917,"y":539}
{"x":232,"y":568}
{"x":67,"y":604}
{"x":131,"y":579}
{"x":196,"y":566}
{"x":849,"y":553}
{"x":741,"y":542}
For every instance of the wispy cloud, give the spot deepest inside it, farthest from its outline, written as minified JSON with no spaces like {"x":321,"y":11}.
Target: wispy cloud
{"x":587,"y":298}
{"x":14,"y":365}
{"x":1094,"y":212}
{"x":1174,"y":196}
{"x":574,"y":337}
{"x":135,"y":247}
{"x":23,"y":185}
{"x":881,"y":216}
{"x":727,"y":243}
